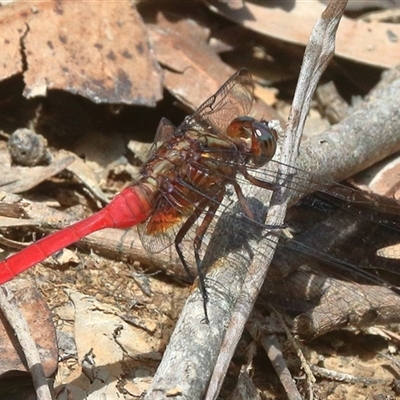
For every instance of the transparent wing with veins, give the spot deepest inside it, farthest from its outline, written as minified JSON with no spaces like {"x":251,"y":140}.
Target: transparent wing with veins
{"x":232,"y":100}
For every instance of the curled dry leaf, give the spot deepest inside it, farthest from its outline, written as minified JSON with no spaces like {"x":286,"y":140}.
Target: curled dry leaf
{"x":373,"y":43}
{"x":97,"y":50}
{"x":84,"y":174}
{"x":15,"y":179}
{"x":356,"y":5}
{"x":193,"y":67}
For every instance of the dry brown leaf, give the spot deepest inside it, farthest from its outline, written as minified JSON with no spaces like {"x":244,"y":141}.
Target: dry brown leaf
{"x":84,"y":174}
{"x":38,"y":317}
{"x":356,"y":5}
{"x":382,"y":178}
{"x":373,"y":43}
{"x":194,"y":70}
{"x":12,"y":21}
{"x":100,"y":333}
{"x":96,"y":49}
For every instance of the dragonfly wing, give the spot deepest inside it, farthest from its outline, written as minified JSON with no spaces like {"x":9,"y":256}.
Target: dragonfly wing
{"x":160,"y":230}
{"x":233,"y":99}
{"x":165,"y":131}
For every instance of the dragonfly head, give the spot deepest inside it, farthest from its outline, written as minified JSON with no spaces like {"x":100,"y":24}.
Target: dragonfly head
{"x":259,"y":135}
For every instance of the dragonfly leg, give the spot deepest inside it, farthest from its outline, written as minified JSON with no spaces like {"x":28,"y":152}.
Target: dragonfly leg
{"x":259,"y":182}
{"x":181,"y":235}
{"x":200,"y":232}
{"x":242,"y":201}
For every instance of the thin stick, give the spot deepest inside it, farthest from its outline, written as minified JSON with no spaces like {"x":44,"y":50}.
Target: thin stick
{"x":272,"y":347}
{"x":319,"y":52}
{"x":193,"y":347}
{"x":17,"y":321}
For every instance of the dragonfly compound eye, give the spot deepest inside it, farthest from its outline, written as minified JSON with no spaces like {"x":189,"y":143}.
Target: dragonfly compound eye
{"x":263,"y":142}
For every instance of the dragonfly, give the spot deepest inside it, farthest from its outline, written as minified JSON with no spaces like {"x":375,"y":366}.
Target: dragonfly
{"x":186,"y":175}
{"x":190,"y":171}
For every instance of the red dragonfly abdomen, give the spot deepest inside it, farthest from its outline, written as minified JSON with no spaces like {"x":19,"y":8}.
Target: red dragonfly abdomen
{"x":131,"y":207}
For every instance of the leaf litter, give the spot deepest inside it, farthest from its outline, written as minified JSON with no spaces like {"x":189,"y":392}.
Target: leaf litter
{"x":119,"y":331}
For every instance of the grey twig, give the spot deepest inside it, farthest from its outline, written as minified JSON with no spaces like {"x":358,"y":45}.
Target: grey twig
{"x":10,"y":309}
